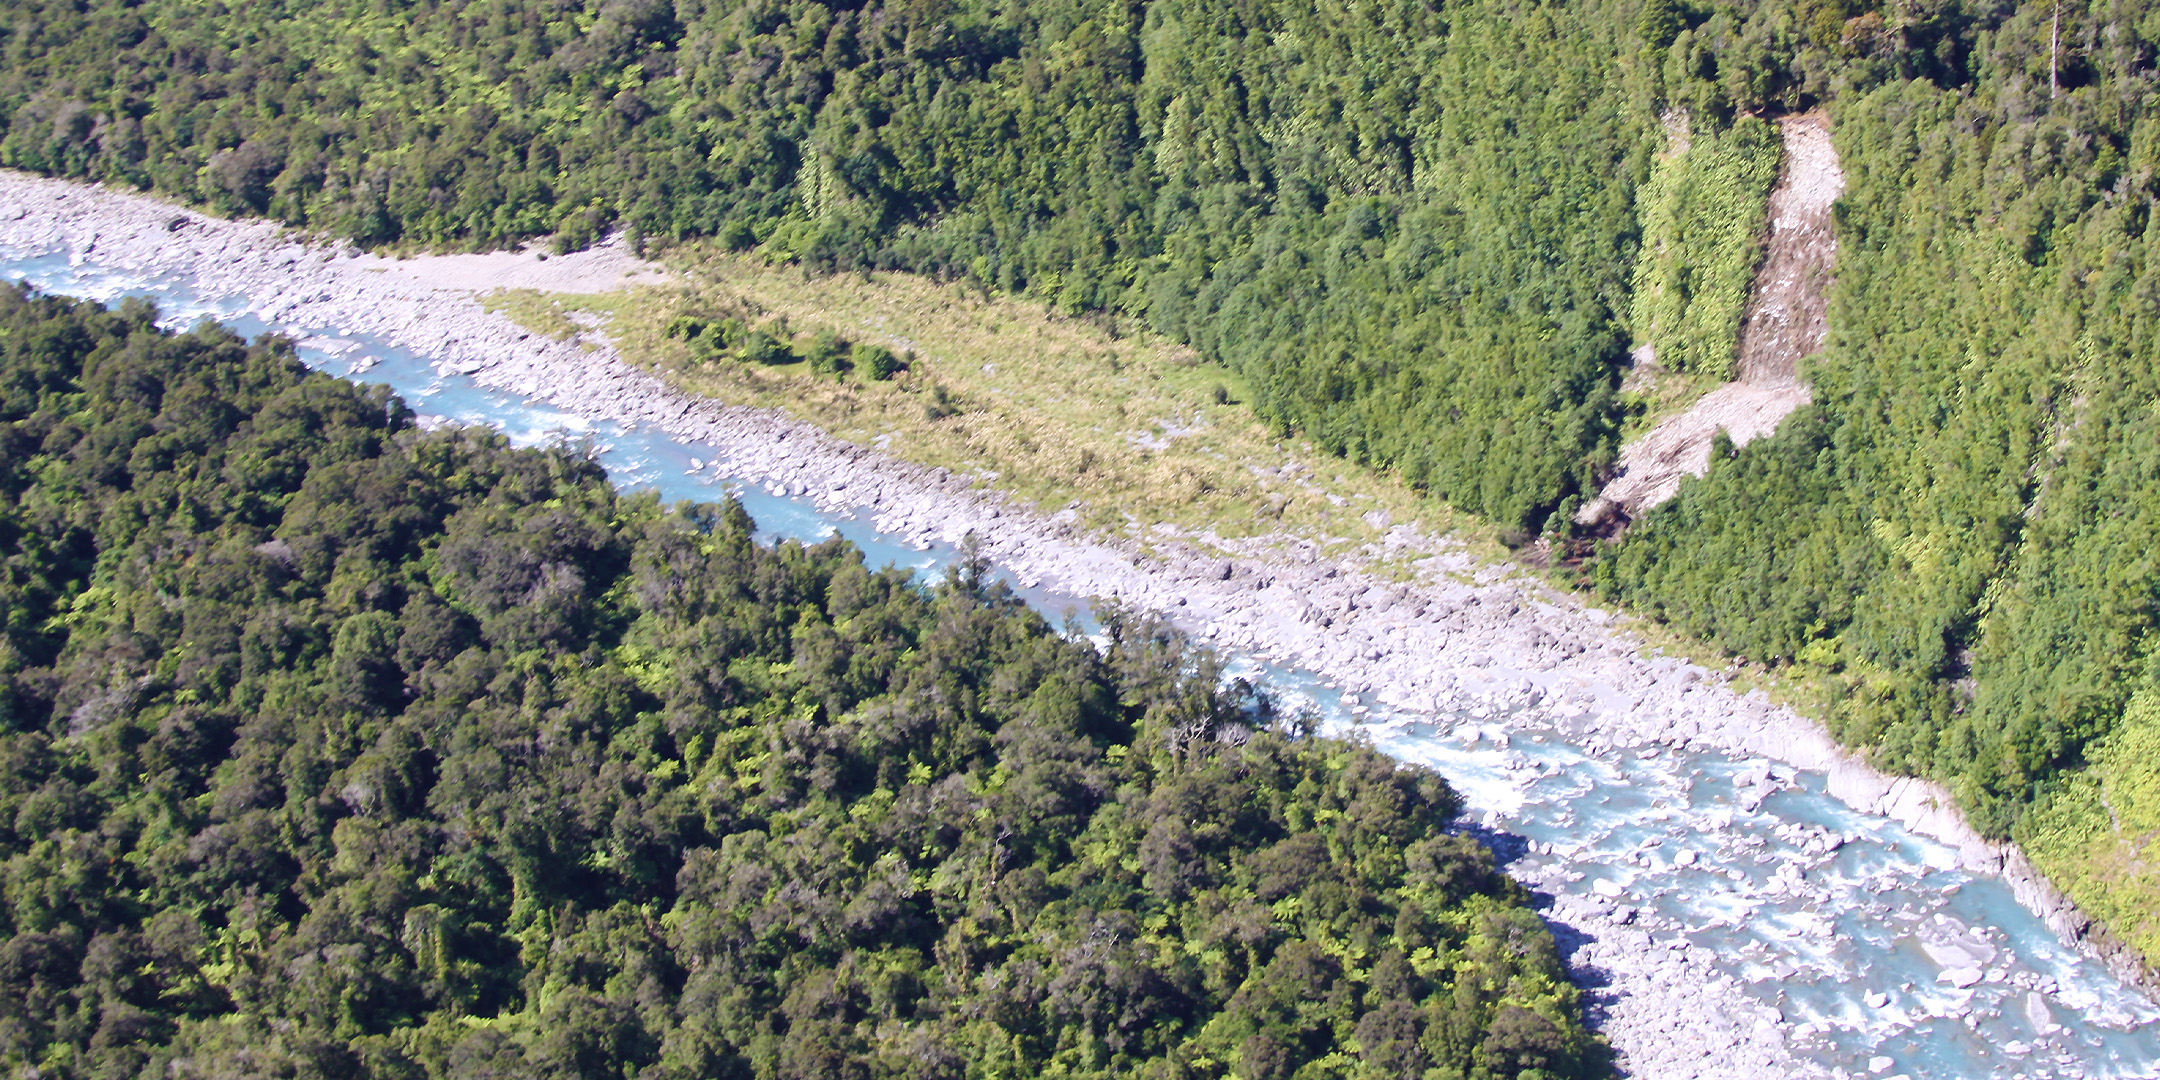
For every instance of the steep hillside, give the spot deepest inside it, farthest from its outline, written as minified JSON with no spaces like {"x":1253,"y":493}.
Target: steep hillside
{"x":1413,"y":228}
{"x":1957,"y":532}
{"x":1416,"y":255}
{"x":1753,"y":333}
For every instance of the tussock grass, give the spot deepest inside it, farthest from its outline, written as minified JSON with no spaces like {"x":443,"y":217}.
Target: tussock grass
{"x":560,"y":316}
{"x":1059,"y":412}
{"x":541,"y":313}
{"x":1126,"y":429}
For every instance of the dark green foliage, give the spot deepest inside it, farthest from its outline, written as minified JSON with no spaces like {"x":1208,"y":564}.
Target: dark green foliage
{"x":828,"y":353}
{"x":337,"y":748}
{"x":709,"y":339}
{"x":1413,"y":252}
{"x":767,"y":346}
{"x":875,"y":361}
{"x":1960,"y":528}
{"x":1431,"y":284}
{"x":1411,"y":228}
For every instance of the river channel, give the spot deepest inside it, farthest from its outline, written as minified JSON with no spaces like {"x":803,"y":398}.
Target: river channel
{"x":1880,"y":956}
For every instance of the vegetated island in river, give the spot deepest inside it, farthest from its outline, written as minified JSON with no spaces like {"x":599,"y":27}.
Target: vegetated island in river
{"x":337,"y":747}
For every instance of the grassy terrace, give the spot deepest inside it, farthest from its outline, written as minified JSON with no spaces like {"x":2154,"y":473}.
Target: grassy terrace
{"x":1122,"y":427}
{"x":1125,"y":428}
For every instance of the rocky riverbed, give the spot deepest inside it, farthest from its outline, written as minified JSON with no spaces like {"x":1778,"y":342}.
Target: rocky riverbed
{"x":1688,"y":903}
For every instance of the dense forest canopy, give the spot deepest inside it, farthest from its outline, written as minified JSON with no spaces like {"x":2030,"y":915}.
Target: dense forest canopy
{"x":1416,"y":253}
{"x":1412,"y":225}
{"x":334,"y":747}
{"x":1426,"y":232}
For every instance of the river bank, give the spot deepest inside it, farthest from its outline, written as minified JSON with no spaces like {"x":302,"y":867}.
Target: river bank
{"x":1473,"y":649}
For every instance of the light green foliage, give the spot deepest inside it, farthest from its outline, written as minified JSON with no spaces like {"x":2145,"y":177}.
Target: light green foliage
{"x":827,"y":353}
{"x":331,"y":747}
{"x":2094,"y":835}
{"x":1702,"y":224}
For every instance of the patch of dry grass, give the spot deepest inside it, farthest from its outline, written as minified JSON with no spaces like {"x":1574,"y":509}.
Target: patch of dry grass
{"x":1121,"y":427}
{"x":560,"y":316}
{"x":1127,"y":429}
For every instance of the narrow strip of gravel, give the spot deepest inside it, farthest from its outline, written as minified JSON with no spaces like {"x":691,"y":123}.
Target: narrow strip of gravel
{"x":1463,"y":637}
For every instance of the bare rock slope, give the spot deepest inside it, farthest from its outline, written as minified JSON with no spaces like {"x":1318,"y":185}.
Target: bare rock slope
{"x":1785,"y":322}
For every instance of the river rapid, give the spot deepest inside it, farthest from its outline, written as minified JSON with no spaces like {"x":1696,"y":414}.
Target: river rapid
{"x":1726,"y":913}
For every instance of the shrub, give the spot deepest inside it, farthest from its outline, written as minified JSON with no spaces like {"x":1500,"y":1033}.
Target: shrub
{"x":828,"y":353}
{"x":876,"y":361}
{"x":761,"y":347}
